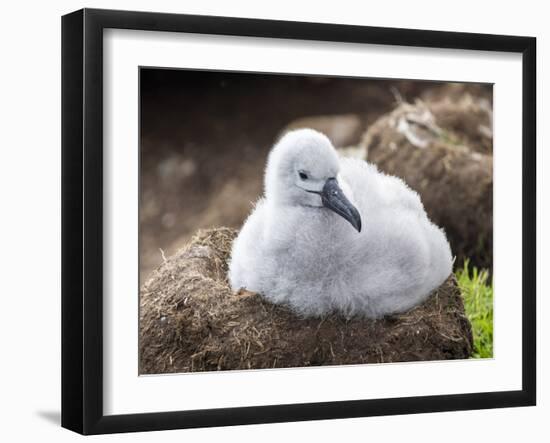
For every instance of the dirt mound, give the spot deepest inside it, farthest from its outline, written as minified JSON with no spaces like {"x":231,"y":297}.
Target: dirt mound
{"x":455,"y":91}
{"x":469,"y":119}
{"x":443,"y":150}
{"x":191,"y":321}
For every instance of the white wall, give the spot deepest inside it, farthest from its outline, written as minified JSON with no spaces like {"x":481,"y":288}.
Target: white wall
{"x":30,"y":217}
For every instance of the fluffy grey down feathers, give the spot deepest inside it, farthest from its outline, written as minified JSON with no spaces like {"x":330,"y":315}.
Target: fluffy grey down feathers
{"x":296,"y":252}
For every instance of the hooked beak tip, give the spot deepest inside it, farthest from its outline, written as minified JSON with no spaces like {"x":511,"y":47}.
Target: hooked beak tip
{"x":334,"y":199}
{"x":354,"y":219}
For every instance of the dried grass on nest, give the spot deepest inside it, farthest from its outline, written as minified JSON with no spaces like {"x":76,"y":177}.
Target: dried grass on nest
{"x":191,"y":321}
{"x":470,"y":119}
{"x":452,"y":173}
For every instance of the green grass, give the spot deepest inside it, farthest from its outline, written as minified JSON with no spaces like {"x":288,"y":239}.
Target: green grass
{"x":478,"y":303}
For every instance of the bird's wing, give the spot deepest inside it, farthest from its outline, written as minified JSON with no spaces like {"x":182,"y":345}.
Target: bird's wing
{"x":246,"y":247}
{"x":373,"y":189}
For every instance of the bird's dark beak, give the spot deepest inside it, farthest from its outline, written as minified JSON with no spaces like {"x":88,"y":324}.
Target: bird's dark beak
{"x":334,"y":199}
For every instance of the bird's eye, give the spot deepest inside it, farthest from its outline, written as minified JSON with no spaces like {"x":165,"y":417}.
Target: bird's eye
{"x":302,"y":175}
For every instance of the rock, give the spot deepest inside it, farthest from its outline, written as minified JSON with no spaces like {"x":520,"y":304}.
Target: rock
{"x":191,"y":321}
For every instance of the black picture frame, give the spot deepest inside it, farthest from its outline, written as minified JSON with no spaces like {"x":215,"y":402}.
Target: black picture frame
{"x":82,"y":220}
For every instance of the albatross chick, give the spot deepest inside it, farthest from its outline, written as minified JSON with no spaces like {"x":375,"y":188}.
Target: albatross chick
{"x":334,"y":234}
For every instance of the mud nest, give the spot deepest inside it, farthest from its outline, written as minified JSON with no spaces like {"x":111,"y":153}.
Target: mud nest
{"x":191,"y":321}
{"x":443,"y":150}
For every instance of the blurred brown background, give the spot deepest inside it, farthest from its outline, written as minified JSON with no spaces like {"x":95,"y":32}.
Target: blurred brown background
{"x":205,"y":137}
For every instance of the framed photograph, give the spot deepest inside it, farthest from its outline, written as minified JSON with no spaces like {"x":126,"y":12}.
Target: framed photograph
{"x":268,"y":221}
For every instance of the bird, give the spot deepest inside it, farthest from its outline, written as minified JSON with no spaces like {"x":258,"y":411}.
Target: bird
{"x":334,"y":235}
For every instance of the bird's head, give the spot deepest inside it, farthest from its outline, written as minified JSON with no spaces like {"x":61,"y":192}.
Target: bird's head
{"x":302,"y":170}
